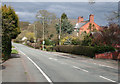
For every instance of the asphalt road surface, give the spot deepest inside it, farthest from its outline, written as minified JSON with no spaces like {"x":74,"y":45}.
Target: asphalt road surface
{"x":42,"y":66}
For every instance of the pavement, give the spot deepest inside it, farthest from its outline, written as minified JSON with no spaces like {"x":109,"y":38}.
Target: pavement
{"x":33,"y":65}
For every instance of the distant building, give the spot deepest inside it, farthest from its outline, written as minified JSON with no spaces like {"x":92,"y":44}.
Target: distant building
{"x":83,"y":26}
{"x":24,"y":38}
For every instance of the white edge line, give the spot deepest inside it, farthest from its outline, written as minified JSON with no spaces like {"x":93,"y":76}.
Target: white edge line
{"x":48,"y":79}
{"x":107,"y":78}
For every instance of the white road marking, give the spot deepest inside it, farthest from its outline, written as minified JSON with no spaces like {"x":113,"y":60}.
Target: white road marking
{"x":53,"y":59}
{"x":62,"y":56}
{"x":22,"y":52}
{"x":80,"y":69}
{"x":105,"y":66}
{"x":62,"y":62}
{"x":48,"y":79}
{"x":107,"y":78}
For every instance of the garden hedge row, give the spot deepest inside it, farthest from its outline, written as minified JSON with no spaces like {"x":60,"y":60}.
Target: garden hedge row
{"x":76,"y":49}
{"x":84,"y":50}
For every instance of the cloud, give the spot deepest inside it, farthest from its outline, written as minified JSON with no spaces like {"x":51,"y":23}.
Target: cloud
{"x":26,"y":16}
{"x":60,"y":0}
{"x":28,"y":10}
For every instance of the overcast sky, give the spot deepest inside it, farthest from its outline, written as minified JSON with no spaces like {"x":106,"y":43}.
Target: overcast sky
{"x":27,"y":10}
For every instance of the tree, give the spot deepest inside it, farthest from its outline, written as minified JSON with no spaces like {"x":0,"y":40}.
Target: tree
{"x":10,"y":29}
{"x":66,"y":26}
{"x":30,"y":36}
{"x":49,"y":19}
{"x":63,"y":17}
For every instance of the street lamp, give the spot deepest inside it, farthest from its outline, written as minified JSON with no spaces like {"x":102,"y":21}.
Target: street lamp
{"x":43,"y":30}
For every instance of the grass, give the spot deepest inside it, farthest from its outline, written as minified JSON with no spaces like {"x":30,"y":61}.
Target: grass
{"x":14,"y":51}
{"x":13,"y":46}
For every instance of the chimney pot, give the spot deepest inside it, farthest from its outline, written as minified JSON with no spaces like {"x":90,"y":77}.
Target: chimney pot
{"x":91,"y":18}
{"x":80,"y":19}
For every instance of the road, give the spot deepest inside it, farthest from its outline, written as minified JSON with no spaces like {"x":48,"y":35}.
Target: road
{"x":42,"y":66}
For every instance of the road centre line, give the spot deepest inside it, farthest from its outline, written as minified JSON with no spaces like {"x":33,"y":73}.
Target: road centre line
{"x":53,"y":59}
{"x":80,"y":69}
{"x":106,"y":78}
{"x":61,"y":56}
{"x":86,"y":61}
{"x":106,"y":66}
{"x":48,"y":79}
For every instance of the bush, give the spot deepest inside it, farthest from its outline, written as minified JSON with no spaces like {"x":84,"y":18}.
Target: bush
{"x":80,"y":50}
{"x":76,"y":41}
{"x":49,"y":48}
{"x":102,"y":49}
{"x":48,"y":42}
{"x":84,"y":50}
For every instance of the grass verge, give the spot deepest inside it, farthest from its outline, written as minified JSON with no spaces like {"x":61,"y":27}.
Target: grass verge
{"x":14,"y":51}
{"x":13,"y":46}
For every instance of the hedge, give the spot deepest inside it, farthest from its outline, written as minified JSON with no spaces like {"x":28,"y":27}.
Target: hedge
{"x":105,"y":48}
{"x":84,"y":50}
{"x":76,"y":49}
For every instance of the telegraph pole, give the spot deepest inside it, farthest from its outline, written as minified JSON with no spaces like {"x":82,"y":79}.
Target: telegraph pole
{"x":60,"y":32}
{"x":35,"y":35}
{"x":43,"y":33}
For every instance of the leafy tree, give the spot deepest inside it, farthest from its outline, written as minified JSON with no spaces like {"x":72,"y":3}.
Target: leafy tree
{"x":87,"y":40}
{"x":30,"y":36}
{"x":66,"y":27}
{"x":49,"y":22}
{"x":63,"y":17}
{"x":10,"y":29}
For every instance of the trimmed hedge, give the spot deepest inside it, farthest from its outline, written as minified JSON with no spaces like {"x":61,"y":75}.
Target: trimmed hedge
{"x":76,"y":49}
{"x":84,"y":50}
{"x":49,"y":48}
{"x":102,"y":49}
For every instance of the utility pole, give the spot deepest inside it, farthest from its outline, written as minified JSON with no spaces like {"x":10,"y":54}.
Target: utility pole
{"x":60,"y":32}
{"x":35,"y":35}
{"x":43,"y":33}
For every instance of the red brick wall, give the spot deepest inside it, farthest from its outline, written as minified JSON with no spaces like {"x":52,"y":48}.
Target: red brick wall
{"x":113,"y":55}
{"x":86,"y":26}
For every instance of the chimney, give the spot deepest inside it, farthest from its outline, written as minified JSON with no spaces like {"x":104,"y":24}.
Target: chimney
{"x":91,"y":18}
{"x":80,"y":19}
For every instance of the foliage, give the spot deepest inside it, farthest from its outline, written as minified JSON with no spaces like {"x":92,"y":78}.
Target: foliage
{"x":109,"y":36}
{"x":104,"y":48}
{"x":63,"y":17}
{"x":76,"y":41}
{"x":49,"y":48}
{"x":66,"y":27}
{"x":48,"y":16}
{"x":48,"y":42}
{"x":14,"y":51}
{"x":10,"y":29}
{"x":87,"y":40}
{"x":30,"y":36}
{"x":92,"y":28}
{"x":49,"y":20}
{"x":80,"y":50}
{"x":70,"y":40}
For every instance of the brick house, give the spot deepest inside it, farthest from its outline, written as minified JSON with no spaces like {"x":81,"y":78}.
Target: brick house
{"x":83,"y":26}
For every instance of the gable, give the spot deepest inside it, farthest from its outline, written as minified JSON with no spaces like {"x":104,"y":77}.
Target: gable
{"x":85,"y":27}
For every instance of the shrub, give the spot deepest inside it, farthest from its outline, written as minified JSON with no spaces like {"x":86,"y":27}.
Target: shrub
{"x":48,"y":42}
{"x":49,"y":48}
{"x":104,"y":48}
{"x":80,"y":50}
